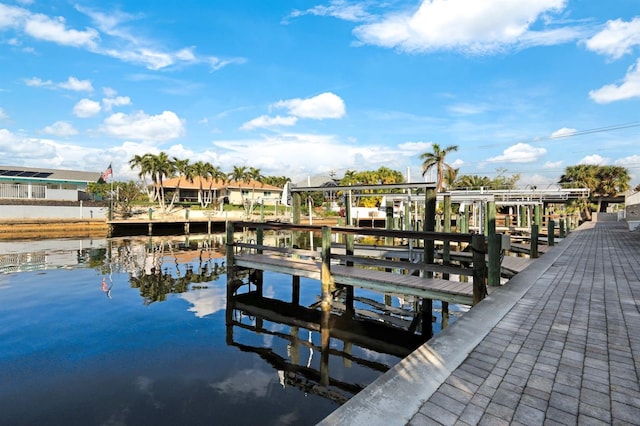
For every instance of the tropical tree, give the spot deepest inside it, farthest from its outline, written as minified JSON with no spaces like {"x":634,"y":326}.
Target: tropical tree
{"x":200,"y":169}
{"x":126,"y":194}
{"x":450,"y":177}
{"x":602,"y":182}
{"x":183,"y":169}
{"x":278,"y":181}
{"x":502,"y":181}
{"x":436,"y":158}
{"x":383,"y":175}
{"x":240,"y":174}
{"x":145,"y":163}
{"x":472,"y":182}
{"x":162,"y":167}
{"x":215,"y":175}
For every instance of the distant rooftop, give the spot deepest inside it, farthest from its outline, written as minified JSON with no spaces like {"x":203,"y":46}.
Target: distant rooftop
{"x":32,"y":173}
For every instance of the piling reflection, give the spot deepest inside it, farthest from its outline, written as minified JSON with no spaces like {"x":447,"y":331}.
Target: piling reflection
{"x":310,"y":348}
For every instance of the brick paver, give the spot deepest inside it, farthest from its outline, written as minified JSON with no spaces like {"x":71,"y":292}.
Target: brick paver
{"x":567,"y":353}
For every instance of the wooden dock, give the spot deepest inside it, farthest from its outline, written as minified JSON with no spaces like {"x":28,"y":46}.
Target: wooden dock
{"x":453,"y":278}
{"x":165,"y":226}
{"x":381,"y":281}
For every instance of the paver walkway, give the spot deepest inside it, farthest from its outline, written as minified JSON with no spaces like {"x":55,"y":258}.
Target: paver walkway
{"x":566,"y":351}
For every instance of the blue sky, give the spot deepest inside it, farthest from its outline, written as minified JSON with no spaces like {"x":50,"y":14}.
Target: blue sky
{"x":307,"y":87}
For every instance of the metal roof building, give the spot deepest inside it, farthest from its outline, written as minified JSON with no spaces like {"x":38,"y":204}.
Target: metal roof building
{"x":31,"y":183}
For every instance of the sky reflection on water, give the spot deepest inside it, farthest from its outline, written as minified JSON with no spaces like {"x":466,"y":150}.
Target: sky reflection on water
{"x":71,"y":355}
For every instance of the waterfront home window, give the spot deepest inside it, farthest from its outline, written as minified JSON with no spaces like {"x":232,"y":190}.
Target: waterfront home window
{"x":267,"y":194}
{"x":245,"y":192}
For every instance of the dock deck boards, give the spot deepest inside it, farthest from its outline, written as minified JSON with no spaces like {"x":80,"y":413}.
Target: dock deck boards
{"x":388,"y":282}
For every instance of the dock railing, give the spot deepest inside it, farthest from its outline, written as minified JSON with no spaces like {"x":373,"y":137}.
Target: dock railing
{"x":395,"y":253}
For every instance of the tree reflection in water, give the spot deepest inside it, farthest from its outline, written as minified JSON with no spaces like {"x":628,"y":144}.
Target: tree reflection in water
{"x":166,"y":265}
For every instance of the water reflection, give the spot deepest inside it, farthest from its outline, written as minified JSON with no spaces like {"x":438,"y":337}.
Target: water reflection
{"x":83,"y":341}
{"x":24,"y":256}
{"x":166,"y":265}
{"x":297,"y":350}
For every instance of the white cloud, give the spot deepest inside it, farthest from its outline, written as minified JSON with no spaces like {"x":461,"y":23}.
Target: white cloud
{"x":519,"y":153}
{"x":595,"y":160}
{"x":26,"y":149}
{"x":267,"y":121}
{"x":553,"y":164}
{"x":72,"y":83}
{"x":468,"y":109}
{"x":42,"y":27}
{"x":3,"y":114}
{"x":109,"y":92}
{"x":290,"y":151}
{"x":337,"y":8}
{"x":629,"y":88}
{"x":114,"y":40}
{"x":11,"y":16}
{"x":140,"y":126}
{"x":476,"y":27}
{"x":37,"y":82}
{"x":325,"y":105}
{"x":86,"y":108}
{"x":109,"y":103}
{"x":77,"y":85}
{"x":563,"y":133}
{"x":415,"y":147}
{"x":617,"y":39}
{"x":60,"y":128}
{"x":631,"y":161}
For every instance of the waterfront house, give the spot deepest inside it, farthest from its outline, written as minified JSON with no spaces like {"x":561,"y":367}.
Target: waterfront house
{"x":209,"y":191}
{"x":28,"y":183}
{"x":35,"y":193}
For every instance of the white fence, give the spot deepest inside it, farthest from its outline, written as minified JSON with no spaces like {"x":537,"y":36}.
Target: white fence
{"x":22,"y":191}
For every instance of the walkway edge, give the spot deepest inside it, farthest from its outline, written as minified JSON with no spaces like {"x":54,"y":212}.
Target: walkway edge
{"x":397,"y":395}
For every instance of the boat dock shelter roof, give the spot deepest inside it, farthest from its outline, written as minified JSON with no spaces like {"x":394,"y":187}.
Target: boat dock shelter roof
{"x":527,"y":195}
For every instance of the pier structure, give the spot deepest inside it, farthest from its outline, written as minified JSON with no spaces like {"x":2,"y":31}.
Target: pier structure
{"x":557,"y":345}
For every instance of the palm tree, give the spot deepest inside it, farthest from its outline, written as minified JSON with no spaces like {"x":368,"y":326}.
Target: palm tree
{"x":450,"y":177}
{"x":183,"y":169}
{"x":145,"y":163}
{"x":200,"y":170}
{"x":436,"y":159}
{"x":240,"y":173}
{"x":472,"y":182}
{"x":162,"y":166}
{"x":215,"y":175}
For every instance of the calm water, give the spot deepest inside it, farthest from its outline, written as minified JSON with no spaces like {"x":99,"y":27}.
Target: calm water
{"x":140,"y":332}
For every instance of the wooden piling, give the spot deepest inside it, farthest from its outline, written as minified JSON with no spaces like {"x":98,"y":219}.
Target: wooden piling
{"x":427,"y":316}
{"x":446,"y":249}
{"x":533,"y":249}
{"x":429,"y":226}
{"x":479,"y":286}
{"x":551,"y":232}
{"x":325,"y":272}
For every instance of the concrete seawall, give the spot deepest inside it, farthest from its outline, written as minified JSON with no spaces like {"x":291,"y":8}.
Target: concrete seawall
{"x":51,"y":228}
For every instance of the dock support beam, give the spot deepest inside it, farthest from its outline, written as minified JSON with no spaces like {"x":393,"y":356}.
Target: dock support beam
{"x":427,"y":318}
{"x":533,"y":250}
{"x":429,"y":226}
{"x":479,"y":286}
{"x":551,"y":232}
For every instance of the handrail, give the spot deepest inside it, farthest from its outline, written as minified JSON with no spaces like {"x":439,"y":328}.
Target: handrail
{"x":478,"y":245}
{"x":376,"y":232}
